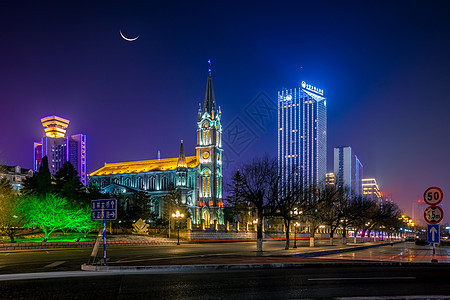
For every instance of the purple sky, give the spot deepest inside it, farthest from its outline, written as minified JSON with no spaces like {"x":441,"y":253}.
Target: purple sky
{"x":384,"y":67}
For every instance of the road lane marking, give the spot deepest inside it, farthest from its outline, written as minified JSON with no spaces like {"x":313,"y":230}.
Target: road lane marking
{"x":360,"y":278}
{"x":55,"y":264}
{"x":175,"y":257}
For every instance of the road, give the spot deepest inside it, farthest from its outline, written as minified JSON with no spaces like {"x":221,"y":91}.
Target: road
{"x":404,"y":252}
{"x":67,"y":259}
{"x":312,"y":281}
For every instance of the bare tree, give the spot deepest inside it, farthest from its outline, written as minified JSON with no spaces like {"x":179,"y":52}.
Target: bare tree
{"x":330,"y":207}
{"x":256,"y":183}
{"x":365,"y":215}
{"x":290,"y":202}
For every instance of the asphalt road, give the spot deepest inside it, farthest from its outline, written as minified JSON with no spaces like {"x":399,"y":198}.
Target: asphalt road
{"x":67,"y":259}
{"x":404,"y":252}
{"x":312,"y":281}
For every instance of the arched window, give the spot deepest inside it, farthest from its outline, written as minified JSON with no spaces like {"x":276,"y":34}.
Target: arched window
{"x":116,"y":180}
{"x":155,"y":207}
{"x":139,"y":183}
{"x":164,"y":183}
{"x":127,"y":182}
{"x":151,"y":183}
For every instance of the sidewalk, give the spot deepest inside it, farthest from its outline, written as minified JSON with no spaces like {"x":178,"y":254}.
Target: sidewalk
{"x":267,"y":259}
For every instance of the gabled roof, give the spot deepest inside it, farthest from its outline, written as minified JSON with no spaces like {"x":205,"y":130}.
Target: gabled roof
{"x":144,"y":166}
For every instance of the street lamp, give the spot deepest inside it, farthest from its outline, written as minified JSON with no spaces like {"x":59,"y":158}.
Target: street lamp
{"x":296,"y":224}
{"x":177,"y":216}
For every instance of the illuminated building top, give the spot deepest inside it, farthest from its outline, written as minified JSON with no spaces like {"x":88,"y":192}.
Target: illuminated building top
{"x":55,"y":127}
{"x":144,"y":166}
{"x":312,"y":88}
{"x":370,"y":188}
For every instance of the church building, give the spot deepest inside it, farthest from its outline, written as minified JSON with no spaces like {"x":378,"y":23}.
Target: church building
{"x":197,"y":179}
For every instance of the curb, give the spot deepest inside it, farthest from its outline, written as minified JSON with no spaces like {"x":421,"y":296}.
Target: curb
{"x":132,"y":269}
{"x":100,"y":268}
{"x":328,"y":252}
{"x":47,"y":245}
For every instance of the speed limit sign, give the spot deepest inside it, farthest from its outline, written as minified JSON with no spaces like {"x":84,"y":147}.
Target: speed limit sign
{"x":433,"y":196}
{"x":433,"y":214}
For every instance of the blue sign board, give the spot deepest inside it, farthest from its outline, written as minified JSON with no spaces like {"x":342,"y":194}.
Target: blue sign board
{"x":433,"y":233}
{"x":104,"y":210}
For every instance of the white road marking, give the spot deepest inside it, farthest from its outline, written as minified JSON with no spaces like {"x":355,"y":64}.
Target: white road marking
{"x":54,"y":264}
{"x":360,"y":278}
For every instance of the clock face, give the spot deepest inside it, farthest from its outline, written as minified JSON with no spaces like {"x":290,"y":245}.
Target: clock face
{"x":206,"y":155}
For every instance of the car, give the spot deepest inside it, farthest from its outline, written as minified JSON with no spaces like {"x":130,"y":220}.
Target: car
{"x":409,"y":239}
{"x":421,"y":242}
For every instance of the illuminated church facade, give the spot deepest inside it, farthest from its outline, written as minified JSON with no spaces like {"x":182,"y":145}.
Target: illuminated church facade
{"x":197,"y":179}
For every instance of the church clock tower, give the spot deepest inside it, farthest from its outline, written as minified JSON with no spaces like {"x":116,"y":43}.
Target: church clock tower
{"x":209,"y":154}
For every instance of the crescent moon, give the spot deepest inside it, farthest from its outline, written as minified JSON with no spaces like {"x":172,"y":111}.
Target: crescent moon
{"x":128,"y":39}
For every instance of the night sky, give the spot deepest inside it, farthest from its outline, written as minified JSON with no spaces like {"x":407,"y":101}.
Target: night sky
{"x":384,"y":67}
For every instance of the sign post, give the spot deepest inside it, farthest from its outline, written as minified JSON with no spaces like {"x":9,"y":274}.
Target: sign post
{"x":433,"y":233}
{"x":433,"y":215}
{"x":103,"y":210}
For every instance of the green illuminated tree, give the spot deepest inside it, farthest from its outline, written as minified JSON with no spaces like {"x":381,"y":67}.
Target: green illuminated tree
{"x":11,"y":218}
{"x":49,"y":212}
{"x":82,"y":222}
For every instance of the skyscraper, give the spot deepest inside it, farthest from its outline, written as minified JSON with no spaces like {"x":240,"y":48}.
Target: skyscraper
{"x":348,"y":170}
{"x":60,"y":148}
{"x":302,"y":134}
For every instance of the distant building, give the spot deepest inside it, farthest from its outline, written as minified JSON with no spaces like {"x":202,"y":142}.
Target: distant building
{"x":60,"y":148}
{"x":348,"y":170}
{"x":15,"y":175}
{"x":330,"y":179}
{"x":197,"y":179}
{"x":371,"y":190}
{"x":302,"y":134}
{"x":418,"y":209}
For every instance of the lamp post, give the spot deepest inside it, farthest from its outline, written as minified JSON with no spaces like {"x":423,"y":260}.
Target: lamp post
{"x":255,"y":222}
{"x":296,"y":224}
{"x":177,"y":216}
{"x":295,"y":213}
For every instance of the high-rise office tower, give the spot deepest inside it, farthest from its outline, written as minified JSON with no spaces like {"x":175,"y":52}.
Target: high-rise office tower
{"x":348,"y":170}
{"x":302,"y":134}
{"x":371,"y":190}
{"x":60,"y":148}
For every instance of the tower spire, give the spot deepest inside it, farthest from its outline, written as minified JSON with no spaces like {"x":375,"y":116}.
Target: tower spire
{"x":181,"y":158}
{"x":210,"y":101}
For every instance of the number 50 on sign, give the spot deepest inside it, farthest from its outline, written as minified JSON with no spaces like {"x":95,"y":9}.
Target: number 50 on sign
{"x":433,"y":196}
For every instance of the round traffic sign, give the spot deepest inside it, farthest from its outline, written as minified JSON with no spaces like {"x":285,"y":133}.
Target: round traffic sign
{"x":433,"y":214}
{"x":433,"y":196}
